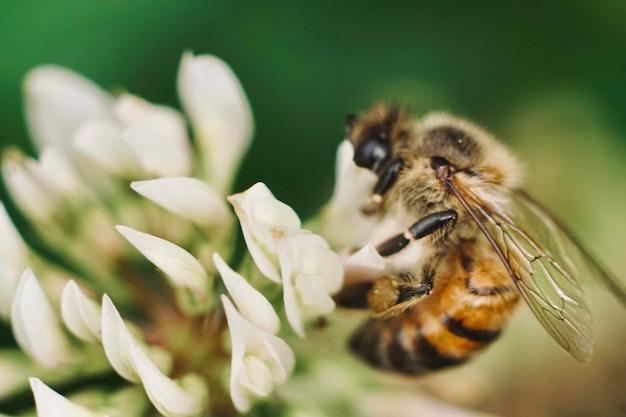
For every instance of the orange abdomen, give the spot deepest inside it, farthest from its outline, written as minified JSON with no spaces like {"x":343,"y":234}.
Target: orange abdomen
{"x":472,"y":299}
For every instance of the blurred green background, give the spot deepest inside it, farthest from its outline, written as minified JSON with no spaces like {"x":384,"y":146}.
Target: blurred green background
{"x":549,"y":78}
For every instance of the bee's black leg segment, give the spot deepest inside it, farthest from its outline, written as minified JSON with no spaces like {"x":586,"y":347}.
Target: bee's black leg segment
{"x":423,"y":227}
{"x":386,"y":179}
{"x":388,"y":176}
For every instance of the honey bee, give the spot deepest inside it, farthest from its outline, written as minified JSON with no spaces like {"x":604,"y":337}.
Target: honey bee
{"x":489,"y":245}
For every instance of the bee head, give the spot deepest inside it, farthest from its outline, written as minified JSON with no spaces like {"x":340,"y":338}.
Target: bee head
{"x":466,"y":151}
{"x":374,"y":135}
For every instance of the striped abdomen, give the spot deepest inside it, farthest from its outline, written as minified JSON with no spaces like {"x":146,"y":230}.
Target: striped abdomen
{"x":472,"y":299}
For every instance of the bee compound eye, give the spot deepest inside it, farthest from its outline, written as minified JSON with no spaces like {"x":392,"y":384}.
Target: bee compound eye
{"x":372,"y":153}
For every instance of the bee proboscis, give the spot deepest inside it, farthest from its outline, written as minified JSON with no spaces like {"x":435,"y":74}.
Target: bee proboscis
{"x":490,"y":245}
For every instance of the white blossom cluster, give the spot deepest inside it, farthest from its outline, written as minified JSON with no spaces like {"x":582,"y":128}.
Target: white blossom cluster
{"x":114,"y":170}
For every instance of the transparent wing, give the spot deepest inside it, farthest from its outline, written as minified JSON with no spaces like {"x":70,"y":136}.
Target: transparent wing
{"x":547,"y":266}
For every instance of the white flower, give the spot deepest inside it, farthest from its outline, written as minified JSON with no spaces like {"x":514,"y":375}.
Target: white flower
{"x":308,"y":269}
{"x":32,"y":196}
{"x":252,"y":305}
{"x":37,"y":327}
{"x":52,"y":404}
{"x":185,"y":397}
{"x":172,"y":398}
{"x":342,"y":222}
{"x":259,"y":212}
{"x":260,"y":361}
{"x":92,"y":145}
{"x":101,"y":141}
{"x":156,"y":135}
{"x":80,"y":314}
{"x":219,"y":112}
{"x":311,"y":273}
{"x":185,"y":272}
{"x":13,"y":260}
{"x":117,"y":341}
{"x":59,"y":101}
{"x":189,"y":198}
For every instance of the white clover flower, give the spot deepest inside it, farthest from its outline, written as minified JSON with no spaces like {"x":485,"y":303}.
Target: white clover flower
{"x":52,"y":404}
{"x":311,"y":273}
{"x":252,"y":305}
{"x":219,"y":112}
{"x":81,"y":315}
{"x":186,"y":275}
{"x":260,"y":360}
{"x":59,"y":101}
{"x":36,"y":326}
{"x":259,"y":212}
{"x":160,"y":325}
{"x":302,"y":262}
{"x":13,"y":261}
{"x":189,"y":198}
{"x":341,"y":221}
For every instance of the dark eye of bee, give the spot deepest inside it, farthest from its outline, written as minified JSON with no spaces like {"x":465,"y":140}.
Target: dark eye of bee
{"x":372,"y":153}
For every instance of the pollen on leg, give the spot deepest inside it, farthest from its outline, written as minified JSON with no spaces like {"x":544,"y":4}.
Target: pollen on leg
{"x":384,"y":294}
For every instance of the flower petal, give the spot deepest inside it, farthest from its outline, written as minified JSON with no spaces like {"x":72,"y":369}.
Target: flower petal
{"x":342,"y":222}
{"x":187,"y":397}
{"x":27,"y":192}
{"x":36,"y":326}
{"x":365,"y":265}
{"x":313,"y":298}
{"x":313,"y":256}
{"x":13,"y":260}
{"x":157,"y":154}
{"x":134,"y":111}
{"x":184,"y":271}
{"x":248,"y":378}
{"x":219,"y":112}
{"x":80,"y":314}
{"x":258,"y":212}
{"x":117,"y":341}
{"x":12,"y":247}
{"x":256,"y":376}
{"x":52,"y":404}
{"x":58,"y":101}
{"x":252,"y":305}
{"x":55,"y":171}
{"x":189,"y":198}
{"x":101,"y":141}
{"x":311,"y":272}
{"x":157,"y":135}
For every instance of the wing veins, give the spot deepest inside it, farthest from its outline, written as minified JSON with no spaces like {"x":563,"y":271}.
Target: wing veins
{"x":574,"y":331}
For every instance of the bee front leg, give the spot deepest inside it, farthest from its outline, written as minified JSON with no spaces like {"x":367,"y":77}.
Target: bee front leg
{"x":386,"y":179}
{"x":389,"y":291}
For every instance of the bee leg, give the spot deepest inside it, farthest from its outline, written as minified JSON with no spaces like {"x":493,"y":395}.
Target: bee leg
{"x":423,"y":227}
{"x":408,"y":292}
{"x":386,"y":179}
{"x":384,"y":293}
{"x":389,"y":291}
